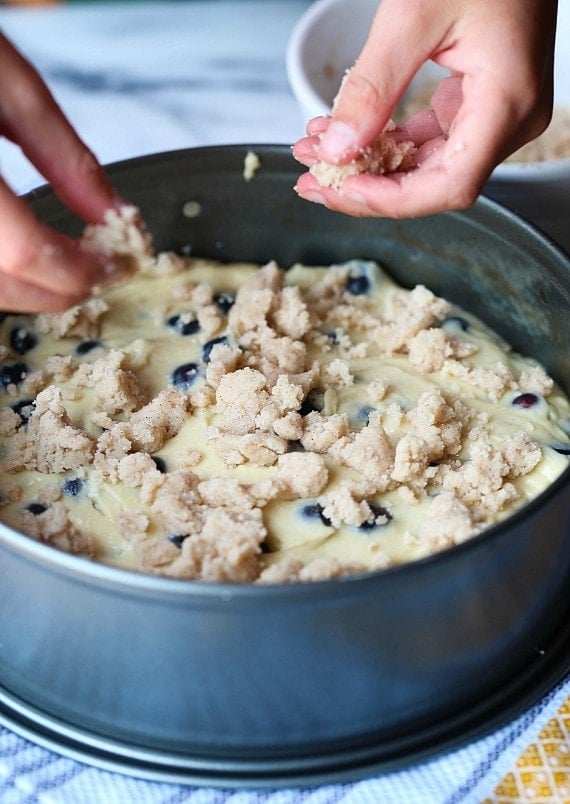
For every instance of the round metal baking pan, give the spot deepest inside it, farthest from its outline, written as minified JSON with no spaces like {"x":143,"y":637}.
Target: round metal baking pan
{"x":386,"y":755}
{"x":234,"y":685}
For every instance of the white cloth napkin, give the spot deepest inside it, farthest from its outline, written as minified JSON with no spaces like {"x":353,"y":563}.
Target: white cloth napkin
{"x":30,"y":774}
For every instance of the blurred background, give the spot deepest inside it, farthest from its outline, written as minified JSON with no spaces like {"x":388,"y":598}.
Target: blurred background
{"x":143,"y":76}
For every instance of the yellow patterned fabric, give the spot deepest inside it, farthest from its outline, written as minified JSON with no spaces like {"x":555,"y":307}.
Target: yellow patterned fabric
{"x":542,"y":772}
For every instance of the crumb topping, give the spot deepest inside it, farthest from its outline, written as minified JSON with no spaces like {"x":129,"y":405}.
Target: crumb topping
{"x":236,"y":423}
{"x":385,"y":155}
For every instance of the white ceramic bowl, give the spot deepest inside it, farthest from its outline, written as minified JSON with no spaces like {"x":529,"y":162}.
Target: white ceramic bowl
{"x":327,"y":40}
{"x":325,"y":43}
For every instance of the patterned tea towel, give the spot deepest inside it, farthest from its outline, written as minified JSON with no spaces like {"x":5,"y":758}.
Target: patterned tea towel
{"x":526,"y":761}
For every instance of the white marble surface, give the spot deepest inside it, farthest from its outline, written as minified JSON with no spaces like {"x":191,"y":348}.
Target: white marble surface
{"x":137,"y":78}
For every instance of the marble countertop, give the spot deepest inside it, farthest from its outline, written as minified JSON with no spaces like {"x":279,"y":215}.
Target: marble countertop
{"x":137,"y":78}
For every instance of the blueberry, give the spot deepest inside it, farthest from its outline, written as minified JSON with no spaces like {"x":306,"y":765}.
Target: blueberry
{"x":526,"y":400}
{"x":182,"y":327}
{"x":207,"y":348}
{"x":313,"y":401}
{"x":184,"y":376}
{"x":159,"y":463}
{"x":23,"y":409}
{"x":315,"y":511}
{"x":86,"y":346}
{"x":12,"y":374}
{"x":22,"y":340}
{"x":363,"y":414}
{"x":36,"y":508}
{"x":224,"y":301}
{"x":358,"y":285}
{"x":455,"y":322}
{"x":177,"y":538}
{"x":72,"y":486}
{"x":377,"y":510}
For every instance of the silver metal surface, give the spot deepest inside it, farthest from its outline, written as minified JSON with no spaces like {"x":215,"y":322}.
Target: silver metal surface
{"x":275,"y":681}
{"x":387,"y":755}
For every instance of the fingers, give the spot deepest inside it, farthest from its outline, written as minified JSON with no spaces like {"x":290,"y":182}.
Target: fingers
{"x":428,"y":150}
{"x":318,"y":125}
{"x":422,"y":127}
{"x":450,"y":172}
{"x":497,"y":98}
{"x":305,"y":150}
{"x":446,"y":101}
{"x":398,"y":195}
{"x":381,"y":74}
{"x":390,"y":196}
{"x":48,"y":269}
{"x":39,"y":268}
{"x":30,"y":117}
{"x":18,"y":296}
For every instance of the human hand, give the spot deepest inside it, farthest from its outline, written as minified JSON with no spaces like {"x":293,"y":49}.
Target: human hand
{"x":40,"y":269}
{"x":499,"y":96}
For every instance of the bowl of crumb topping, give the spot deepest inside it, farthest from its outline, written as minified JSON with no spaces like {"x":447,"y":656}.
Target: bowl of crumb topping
{"x":290,"y":504}
{"x":534,"y":181}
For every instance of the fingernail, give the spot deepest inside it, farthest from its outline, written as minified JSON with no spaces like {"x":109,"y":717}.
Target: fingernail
{"x":310,"y":195}
{"x":338,"y":140}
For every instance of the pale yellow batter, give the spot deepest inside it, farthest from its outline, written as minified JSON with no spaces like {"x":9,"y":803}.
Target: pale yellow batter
{"x":238,"y":423}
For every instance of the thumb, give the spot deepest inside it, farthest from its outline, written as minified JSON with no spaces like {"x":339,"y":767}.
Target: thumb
{"x":396,"y":47}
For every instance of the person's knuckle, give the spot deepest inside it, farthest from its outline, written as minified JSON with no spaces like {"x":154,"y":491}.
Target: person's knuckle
{"x":539,"y":119}
{"x":462,"y":194}
{"x":533,"y":95}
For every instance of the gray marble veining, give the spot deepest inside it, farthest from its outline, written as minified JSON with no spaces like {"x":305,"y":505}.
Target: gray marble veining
{"x":136,"y":78}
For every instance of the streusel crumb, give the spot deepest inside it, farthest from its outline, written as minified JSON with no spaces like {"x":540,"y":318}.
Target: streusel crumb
{"x":245,"y":424}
